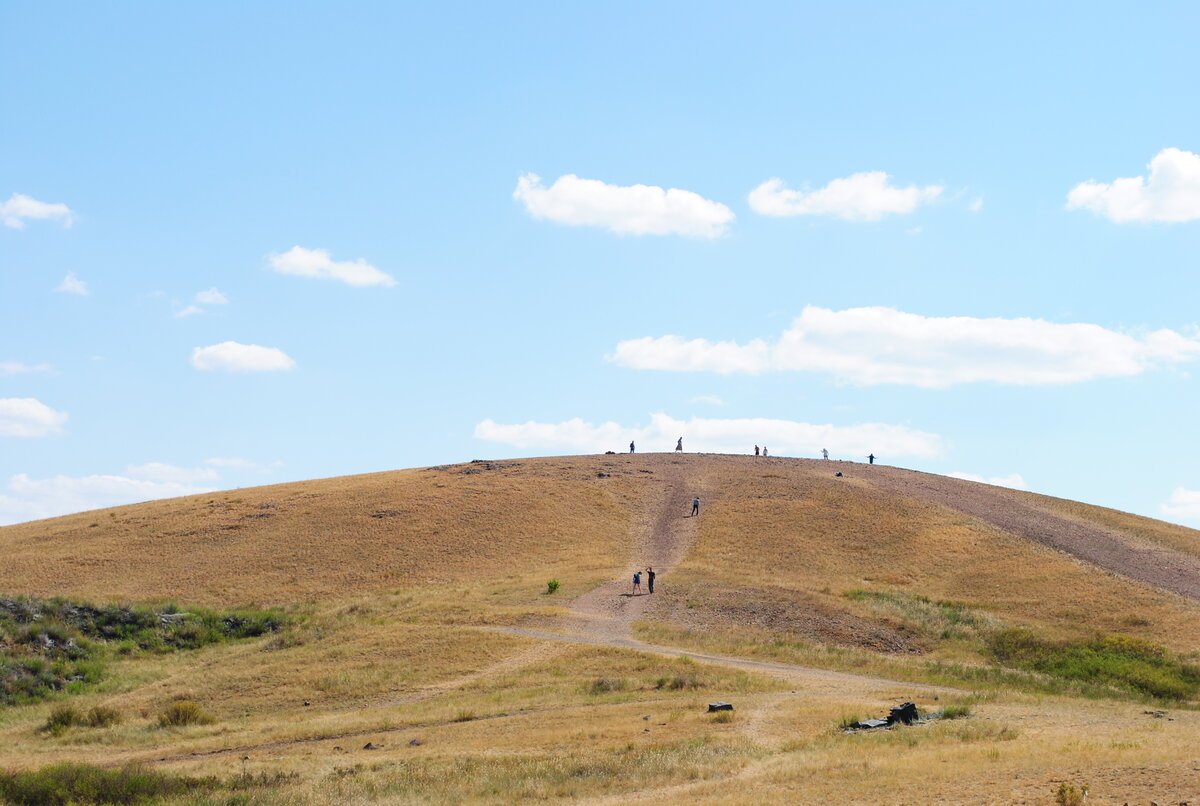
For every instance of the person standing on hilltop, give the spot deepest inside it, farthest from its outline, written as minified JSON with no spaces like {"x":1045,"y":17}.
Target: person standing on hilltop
{"x":695,"y":506}
{"x":871,"y":459}
{"x":764,"y":450}
{"x":679,"y":445}
{"x":631,"y":446}
{"x":650,"y":575}
{"x":756,"y":450}
{"x":824,"y":453}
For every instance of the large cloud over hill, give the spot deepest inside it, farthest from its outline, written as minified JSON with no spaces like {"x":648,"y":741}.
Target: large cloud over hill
{"x":867,"y":346}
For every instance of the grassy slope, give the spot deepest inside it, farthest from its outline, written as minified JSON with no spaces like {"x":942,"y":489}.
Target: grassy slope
{"x":391,"y":605}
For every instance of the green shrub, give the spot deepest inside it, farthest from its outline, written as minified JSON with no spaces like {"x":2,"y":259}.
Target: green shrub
{"x":102,"y":716}
{"x":956,"y":712}
{"x":181,"y":713}
{"x":65,"y":784}
{"x":62,"y":718}
{"x":679,"y":681}
{"x":552,"y":586}
{"x":1115,"y":660}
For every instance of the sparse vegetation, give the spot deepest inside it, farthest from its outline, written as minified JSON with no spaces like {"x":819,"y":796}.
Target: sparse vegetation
{"x":1115,"y":660}
{"x":957,"y":711}
{"x":66,"y":784}
{"x":182,"y":713}
{"x":552,"y":586}
{"x":602,"y":685}
{"x":57,"y":645}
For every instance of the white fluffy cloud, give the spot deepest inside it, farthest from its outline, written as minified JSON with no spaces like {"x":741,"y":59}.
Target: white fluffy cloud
{"x":21,"y":208}
{"x":1183,"y":504}
{"x":1014,"y":481}
{"x":1170,"y":193}
{"x":73,"y":285}
{"x":27,"y":417}
{"x":190,"y":310}
{"x":715,"y":436}
{"x":318,"y":263}
{"x":211,"y":297}
{"x":30,"y":499}
{"x":865,"y":196}
{"x":623,"y":209}
{"x":17,"y":368}
{"x":867,"y":346}
{"x":230,"y":356}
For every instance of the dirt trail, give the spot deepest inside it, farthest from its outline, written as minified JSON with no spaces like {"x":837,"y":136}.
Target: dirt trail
{"x":1118,"y":552}
{"x":661,"y":539}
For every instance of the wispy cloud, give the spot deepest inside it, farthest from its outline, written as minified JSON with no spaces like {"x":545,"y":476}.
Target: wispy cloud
{"x":73,"y":285}
{"x":27,"y":498}
{"x":28,"y":417}
{"x":230,"y":356}
{"x":866,"y":196}
{"x":1014,"y":481}
{"x":623,"y":209}
{"x":976,"y":204}
{"x":867,"y":346}
{"x":190,"y":310}
{"x":211,"y":297}
{"x":318,"y":263}
{"x":17,"y":368}
{"x":716,"y":436}
{"x":21,"y":208}
{"x":708,"y":400}
{"x":1170,"y":193}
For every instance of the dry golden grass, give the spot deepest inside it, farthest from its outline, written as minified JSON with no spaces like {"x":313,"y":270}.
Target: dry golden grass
{"x":393,"y":641}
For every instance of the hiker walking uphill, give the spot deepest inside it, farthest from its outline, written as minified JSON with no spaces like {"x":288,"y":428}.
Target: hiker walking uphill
{"x":695,"y":506}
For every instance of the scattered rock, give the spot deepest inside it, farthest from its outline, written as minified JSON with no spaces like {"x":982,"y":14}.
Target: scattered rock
{"x":370,"y":746}
{"x":647,"y":716}
{"x":414,"y":742}
{"x":838,"y":474}
{"x":307,"y":703}
{"x":386,"y":513}
{"x":1156,"y":714}
{"x":719,"y":706}
{"x":602,"y":475}
{"x":614,"y":453}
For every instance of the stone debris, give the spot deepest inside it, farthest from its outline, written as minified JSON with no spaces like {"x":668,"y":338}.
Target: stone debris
{"x":905,"y":714}
{"x":719,"y":706}
{"x":370,"y":746}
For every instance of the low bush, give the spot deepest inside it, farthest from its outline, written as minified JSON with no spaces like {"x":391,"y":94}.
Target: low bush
{"x":62,"y":718}
{"x":64,"y":784}
{"x":1115,"y":660}
{"x":552,"y":586}
{"x":181,"y":713}
{"x":102,"y":716}
{"x":602,"y":685}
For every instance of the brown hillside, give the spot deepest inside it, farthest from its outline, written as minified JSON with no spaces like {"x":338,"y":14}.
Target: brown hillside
{"x":780,"y":542}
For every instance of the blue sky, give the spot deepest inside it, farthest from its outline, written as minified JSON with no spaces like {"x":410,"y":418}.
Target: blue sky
{"x":250,"y":243}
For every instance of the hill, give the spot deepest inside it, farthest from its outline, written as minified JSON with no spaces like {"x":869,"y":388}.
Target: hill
{"x":419,"y":609}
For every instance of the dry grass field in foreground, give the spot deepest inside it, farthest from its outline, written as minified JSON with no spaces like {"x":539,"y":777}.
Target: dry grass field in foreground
{"x":424,"y":659}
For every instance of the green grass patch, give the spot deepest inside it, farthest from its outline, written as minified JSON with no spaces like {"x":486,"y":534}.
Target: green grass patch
{"x":942,"y":620}
{"x":52,"y":646}
{"x":1121,"y":661}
